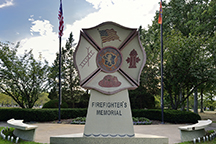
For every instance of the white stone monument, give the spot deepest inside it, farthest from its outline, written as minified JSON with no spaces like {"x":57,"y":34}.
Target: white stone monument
{"x":109,"y":59}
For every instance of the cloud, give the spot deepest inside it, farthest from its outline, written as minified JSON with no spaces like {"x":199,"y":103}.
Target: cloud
{"x":129,"y":13}
{"x":100,"y":4}
{"x":46,"y":43}
{"x":31,"y":18}
{"x":7,"y":3}
{"x":42,"y":27}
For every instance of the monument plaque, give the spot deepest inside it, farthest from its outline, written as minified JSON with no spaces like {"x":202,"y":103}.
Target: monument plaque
{"x":109,"y":59}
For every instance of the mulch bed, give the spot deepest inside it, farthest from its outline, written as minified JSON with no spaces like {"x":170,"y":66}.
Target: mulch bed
{"x":68,"y":121}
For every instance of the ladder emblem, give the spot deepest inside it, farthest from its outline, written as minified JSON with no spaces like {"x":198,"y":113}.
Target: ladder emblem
{"x":87,"y":58}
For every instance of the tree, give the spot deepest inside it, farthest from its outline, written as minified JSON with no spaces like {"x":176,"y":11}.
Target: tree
{"x":22,"y":77}
{"x":188,"y":66}
{"x":188,"y":51}
{"x":53,"y":94}
{"x":210,"y":102}
{"x":144,"y":95}
{"x":71,"y":90}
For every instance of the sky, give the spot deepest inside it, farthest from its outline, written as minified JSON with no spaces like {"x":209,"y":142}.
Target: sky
{"x":34,"y":23}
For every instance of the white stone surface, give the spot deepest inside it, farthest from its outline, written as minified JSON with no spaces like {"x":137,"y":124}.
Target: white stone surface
{"x":198,"y":126}
{"x":109,"y":115}
{"x":22,"y":130}
{"x":188,"y":133}
{"x":138,"y":139}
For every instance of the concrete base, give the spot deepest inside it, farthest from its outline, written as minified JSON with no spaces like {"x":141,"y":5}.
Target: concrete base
{"x":109,"y":115}
{"x":28,"y":135}
{"x":190,"y":135}
{"x":79,"y":139}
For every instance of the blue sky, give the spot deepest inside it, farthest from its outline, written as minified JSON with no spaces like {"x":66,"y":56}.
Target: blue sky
{"x":18,"y":18}
{"x":34,"y":23}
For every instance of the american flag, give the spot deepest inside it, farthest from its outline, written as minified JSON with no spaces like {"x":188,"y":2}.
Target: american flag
{"x":61,"y":21}
{"x":108,"y":35}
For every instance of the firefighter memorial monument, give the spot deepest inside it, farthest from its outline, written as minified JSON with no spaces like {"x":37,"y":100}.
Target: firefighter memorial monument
{"x":109,"y":59}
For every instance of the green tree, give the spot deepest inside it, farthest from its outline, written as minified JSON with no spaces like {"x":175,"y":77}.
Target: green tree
{"x":53,"y":94}
{"x":22,"y":77}
{"x":189,"y":48}
{"x":71,"y":91}
{"x":144,"y":95}
{"x":188,"y":66}
{"x":188,"y":51}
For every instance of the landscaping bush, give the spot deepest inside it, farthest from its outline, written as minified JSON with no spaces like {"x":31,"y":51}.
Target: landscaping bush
{"x":54,"y":104}
{"x":136,"y":121}
{"x":42,"y":115}
{"x":172,"y":116}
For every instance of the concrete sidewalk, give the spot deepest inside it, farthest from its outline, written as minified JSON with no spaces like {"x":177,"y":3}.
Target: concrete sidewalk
{"x":46,"y":130}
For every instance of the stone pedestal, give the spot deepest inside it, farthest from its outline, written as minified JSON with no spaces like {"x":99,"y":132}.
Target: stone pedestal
{"x":109,"y":115}
{"x":190,"y":135}
{"x":137,"y":139}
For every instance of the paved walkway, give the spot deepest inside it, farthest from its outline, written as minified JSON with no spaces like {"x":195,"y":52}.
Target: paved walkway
{"x":45,"y":130}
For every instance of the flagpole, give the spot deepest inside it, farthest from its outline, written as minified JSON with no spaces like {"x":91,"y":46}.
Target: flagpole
{"x":61,"y":27}
{"x":59,"y":113}
{"x":162,"y":101}
{"x":162,"y":94}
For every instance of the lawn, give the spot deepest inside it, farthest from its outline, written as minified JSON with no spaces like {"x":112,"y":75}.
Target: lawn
{"x":208,"y":115}
{"x":2,"y":141}
{"x":208,"y":142}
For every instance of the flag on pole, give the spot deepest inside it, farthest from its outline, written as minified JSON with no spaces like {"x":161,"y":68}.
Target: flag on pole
{"x":61,"y":21}
{"x":160,"y":14}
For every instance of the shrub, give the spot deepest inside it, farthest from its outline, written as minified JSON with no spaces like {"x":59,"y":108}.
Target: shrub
{"x":42,"y":115}
{"x":141,"y":121}
{"x":54,"y":104}
{"x":172,"y":116}
{"x":136,"y":121}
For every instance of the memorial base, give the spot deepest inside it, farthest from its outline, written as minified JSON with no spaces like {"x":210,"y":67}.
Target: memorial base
{"x":109,"y":115}
{"x":79,"y":139}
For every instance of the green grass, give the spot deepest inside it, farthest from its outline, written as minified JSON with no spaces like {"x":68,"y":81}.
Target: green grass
{"x":5,"y":99}
{"x":207,"y":142}
{"x":10,"y":132}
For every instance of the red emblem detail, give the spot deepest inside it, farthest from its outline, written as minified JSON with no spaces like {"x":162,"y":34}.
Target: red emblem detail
{"x":133,"y":59}
{"x":109,"y":81}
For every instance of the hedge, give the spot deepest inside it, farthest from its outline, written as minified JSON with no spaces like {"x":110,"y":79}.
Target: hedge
{"x":55,"y":104}
{"x":43,"y":115}
{"x":40,"y":115}
{"x":172,"y":116}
